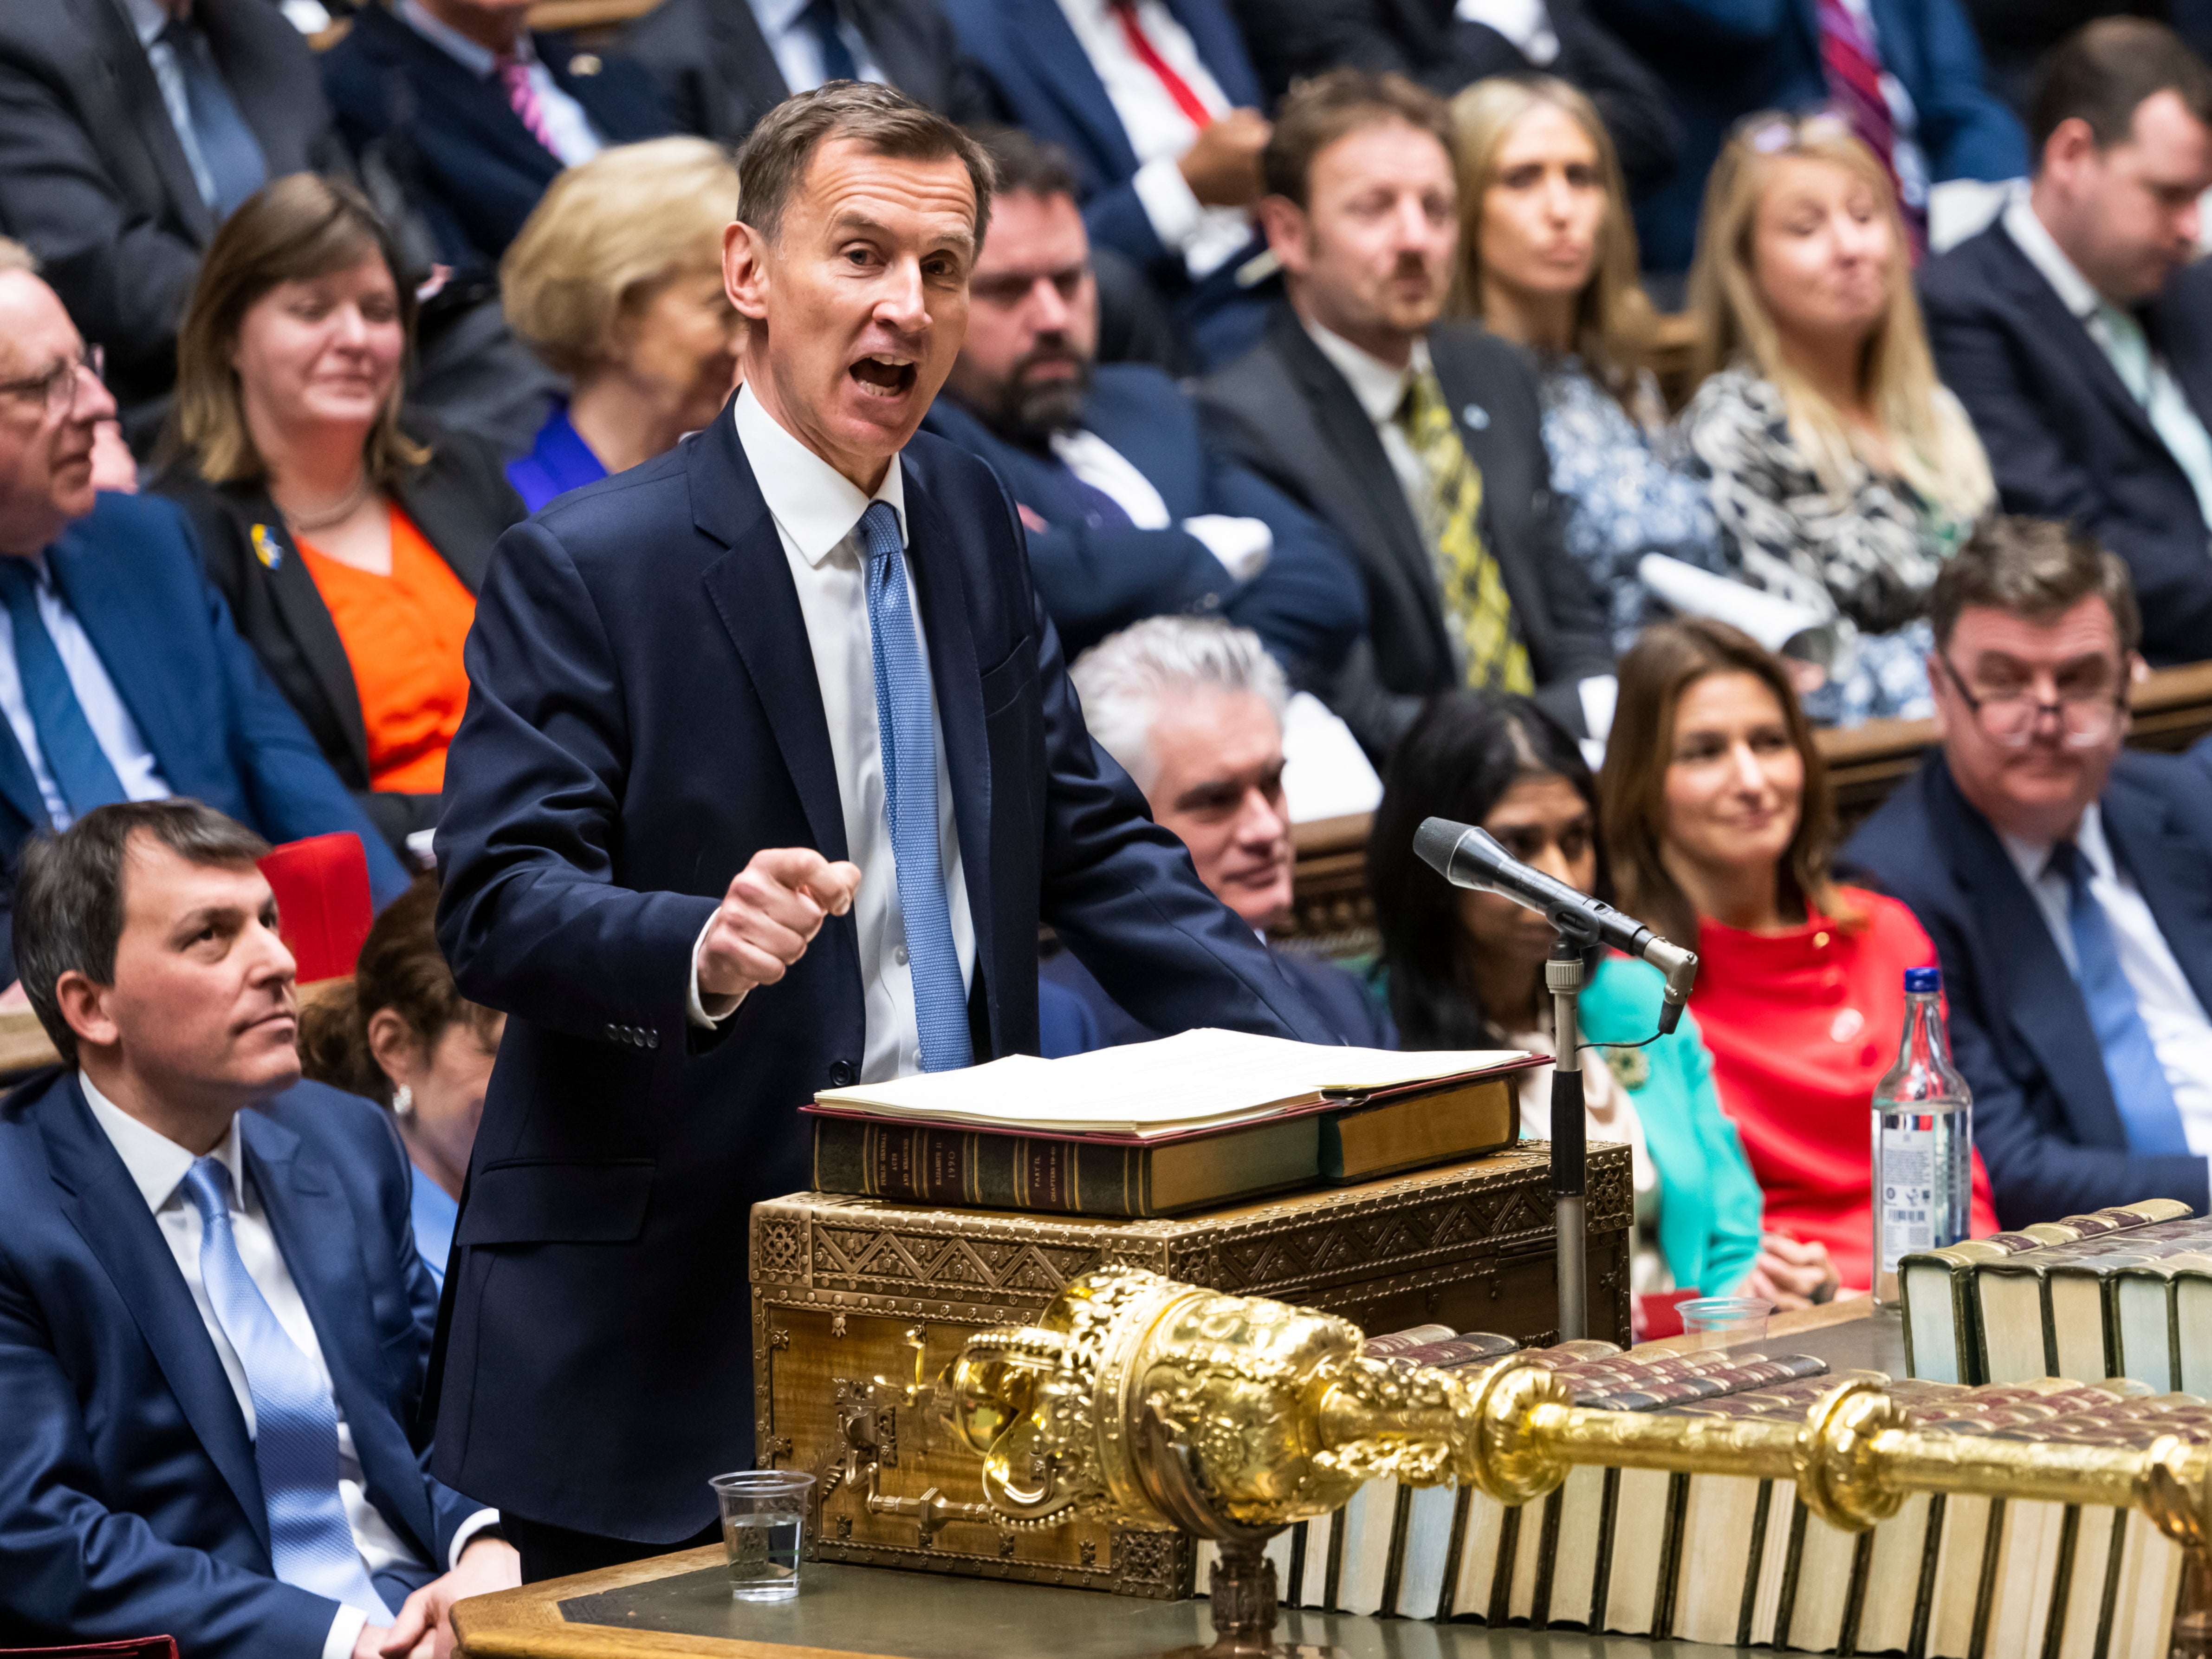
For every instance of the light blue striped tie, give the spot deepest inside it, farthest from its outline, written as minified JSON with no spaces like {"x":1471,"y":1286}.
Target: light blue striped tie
{"x":295,"y":1421}
{"x":908,"y":740}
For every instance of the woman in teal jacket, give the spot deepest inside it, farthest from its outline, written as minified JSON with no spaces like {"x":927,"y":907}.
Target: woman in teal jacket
{"x":1466,"y":971}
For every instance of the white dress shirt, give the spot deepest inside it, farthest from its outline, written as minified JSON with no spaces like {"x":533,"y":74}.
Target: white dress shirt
{"x":2120,"y":338}
{"x":575,"y":141}
{"x":1526,"y":23}
{"x":157,"y":1167}
{"x":798,"y":51}
{"x":2180,"y":1034}
{"x":1157,"y":129}
{"x":147,"y":18}
{"x":1242,"y":546}
{"x":817,"y":511}
{"x":110,"y":722}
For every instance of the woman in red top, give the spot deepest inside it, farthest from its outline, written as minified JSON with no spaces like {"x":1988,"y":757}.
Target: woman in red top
{"x":1720,"y":823}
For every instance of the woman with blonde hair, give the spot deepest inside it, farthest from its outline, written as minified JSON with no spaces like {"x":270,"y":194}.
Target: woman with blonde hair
{"x":616,"y":281}
{"x":1548,"y":259}
{"x":1719,"y":824}
{"x":348,"y":535}
{"x":1843,"y":471}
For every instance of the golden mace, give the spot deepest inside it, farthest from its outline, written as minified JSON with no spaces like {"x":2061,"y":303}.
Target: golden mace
{"x":1160,"y":1406}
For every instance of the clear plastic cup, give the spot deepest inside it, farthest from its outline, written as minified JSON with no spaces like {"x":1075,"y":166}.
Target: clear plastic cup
{"x":764,"y":1530}
{"x":1725,"y":1322}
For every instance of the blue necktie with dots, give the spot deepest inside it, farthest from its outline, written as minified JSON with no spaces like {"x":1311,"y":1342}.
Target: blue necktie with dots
{"x":908,"y":736}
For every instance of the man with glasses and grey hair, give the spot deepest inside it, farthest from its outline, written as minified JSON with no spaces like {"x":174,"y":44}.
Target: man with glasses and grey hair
{"x":1193,"y":709}
{"x":2065,"y":879}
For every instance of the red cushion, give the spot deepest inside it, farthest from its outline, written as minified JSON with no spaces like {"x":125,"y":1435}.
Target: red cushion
{"x":322,"y":901}
{"x":139,"y":1647}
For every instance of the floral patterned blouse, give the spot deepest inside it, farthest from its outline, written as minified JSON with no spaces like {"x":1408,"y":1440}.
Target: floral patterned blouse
{"x":1626,"y":490}
{"x":1864,"y":560}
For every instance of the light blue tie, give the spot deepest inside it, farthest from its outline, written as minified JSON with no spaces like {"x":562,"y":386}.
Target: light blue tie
{"x":907,"y":738}
{"x":2140,"y":1088}
{"x":295,"y":1433}
{"x":236,"y":166}
{"x":78,"y":765}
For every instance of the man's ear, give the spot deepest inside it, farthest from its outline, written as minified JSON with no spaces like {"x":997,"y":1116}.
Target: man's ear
{"x":2071,"y":143}
{"x":1286,"y":224}
{"x":84,"y":1007}
{"x":1939,"y":690}
{"x":745,"y":270}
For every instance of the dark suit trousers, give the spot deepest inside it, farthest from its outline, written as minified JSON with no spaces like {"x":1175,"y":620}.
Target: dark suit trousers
{"x":550,"y":1552}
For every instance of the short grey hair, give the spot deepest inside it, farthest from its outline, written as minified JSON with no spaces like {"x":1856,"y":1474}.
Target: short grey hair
{"x":1123,"y":679}
{"x":773,"y":162}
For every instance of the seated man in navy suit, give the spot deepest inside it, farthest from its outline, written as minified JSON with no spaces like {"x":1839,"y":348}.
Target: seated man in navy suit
{"x":214,"y":1327}
{"x":121,"y":677}
{"x":1193,"y":711}
{"x":2065,"y":879}
{"x":1158,"y":103}
{"x":2077,"y":330}
{"x":1130,"y":515}
{"x":476,"y":113}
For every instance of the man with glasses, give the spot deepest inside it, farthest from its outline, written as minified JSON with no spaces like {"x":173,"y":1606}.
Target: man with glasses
{"x":121,"y":677}
{"x":2065,"y":879}
{"x":1128,"y":514}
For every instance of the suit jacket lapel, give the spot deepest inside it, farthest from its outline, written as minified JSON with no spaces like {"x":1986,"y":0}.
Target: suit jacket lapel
{"x":134,"y":662}
{"x":110,"y":1213}
{"x":2167,"y":863}
{"x":751,"y":591}
{"x":2034,"y":986}
{"x":139,"y":94}
{"x":427,"y":496}
{"x":1041,"y":34}
{"x":324,"y":1252}
{"x":2049,"y":317}
{"x":931,"y":553}
{"x":19,"y":785}
{"x":762,"y":85}
{"x":1220,"y":48}
{"x":299,"y":602}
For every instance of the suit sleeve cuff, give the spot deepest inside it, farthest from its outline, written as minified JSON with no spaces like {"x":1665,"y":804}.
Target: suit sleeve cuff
{"x":345,"y":1631}
{"x":1176,"y":213}
{"x":465,"y":1534}
{"x":1242,"y":546}
{"x":695,"y":1009}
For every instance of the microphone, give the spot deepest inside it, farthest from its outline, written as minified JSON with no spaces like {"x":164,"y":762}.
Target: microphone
{"x":1469,"y":857}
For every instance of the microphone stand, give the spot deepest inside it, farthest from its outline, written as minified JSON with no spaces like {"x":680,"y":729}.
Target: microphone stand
{"x":1563,"y":978}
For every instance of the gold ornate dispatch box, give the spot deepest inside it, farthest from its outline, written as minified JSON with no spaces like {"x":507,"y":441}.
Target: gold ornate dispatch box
{"x":839,"y":1284}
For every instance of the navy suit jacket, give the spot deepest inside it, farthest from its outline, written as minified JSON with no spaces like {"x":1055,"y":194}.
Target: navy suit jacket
{"x":2043,"y":1115}
{"x":2066,"y":438}
{"x":219,"y":730}
{"x":1043,"y":81}
{"x":128,"y":1498}
{"x":1102,"y":1023}
{"x":1307,"y":604}
{"x":637,"y":730}
{"x":1722,"y":59}
{"x":452,"y":139}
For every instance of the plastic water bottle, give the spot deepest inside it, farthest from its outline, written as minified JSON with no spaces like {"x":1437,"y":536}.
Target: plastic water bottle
{"x":1923,"y":1139}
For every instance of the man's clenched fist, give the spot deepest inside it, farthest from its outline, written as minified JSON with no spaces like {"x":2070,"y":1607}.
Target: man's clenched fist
{"x":773,"y":910}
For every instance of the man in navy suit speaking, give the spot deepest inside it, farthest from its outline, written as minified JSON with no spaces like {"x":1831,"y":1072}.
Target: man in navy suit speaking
{"x":1129,"y":513}
{"x":770,"y":772}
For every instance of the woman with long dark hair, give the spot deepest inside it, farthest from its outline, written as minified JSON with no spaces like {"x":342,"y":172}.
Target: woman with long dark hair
{"x":1466,"y":971}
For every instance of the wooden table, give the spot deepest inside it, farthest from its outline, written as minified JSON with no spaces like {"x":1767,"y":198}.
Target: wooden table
{"x":678,"y":1606}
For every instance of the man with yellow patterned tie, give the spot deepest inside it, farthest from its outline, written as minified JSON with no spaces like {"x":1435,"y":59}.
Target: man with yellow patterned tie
{"x":1421,"y":441}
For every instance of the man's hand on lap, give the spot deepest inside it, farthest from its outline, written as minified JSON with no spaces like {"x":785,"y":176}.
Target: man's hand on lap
{"x":424,"y":1629}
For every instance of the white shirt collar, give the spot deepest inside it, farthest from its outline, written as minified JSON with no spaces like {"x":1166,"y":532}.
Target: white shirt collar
{"x":149,"y":18}
{"x":1379,"y":387}
{"x":777,"y":16}
{"x":472,"y":55}
{"x":157,"y":1165}
{"x":2033,"y":857}
{"x":2032,"y":237}
{"x":813,"y":503}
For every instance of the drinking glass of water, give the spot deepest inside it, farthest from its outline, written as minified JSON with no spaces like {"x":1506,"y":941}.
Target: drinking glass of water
{"x":764,"y":1530}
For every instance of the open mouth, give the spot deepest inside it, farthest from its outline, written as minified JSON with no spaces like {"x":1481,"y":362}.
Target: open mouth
{"x":882,"y":375}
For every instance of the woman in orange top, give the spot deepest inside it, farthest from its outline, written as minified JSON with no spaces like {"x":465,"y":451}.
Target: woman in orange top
{"x":1719,"y":821}
{"x":348,"y":539}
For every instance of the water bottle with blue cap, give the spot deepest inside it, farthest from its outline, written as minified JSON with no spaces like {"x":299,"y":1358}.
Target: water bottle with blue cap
{"x":1923,"y":1139}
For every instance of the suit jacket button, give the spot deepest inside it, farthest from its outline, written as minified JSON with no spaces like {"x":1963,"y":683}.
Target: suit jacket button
{"x":842,"y":1074}
{"x":653,"y":1039}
